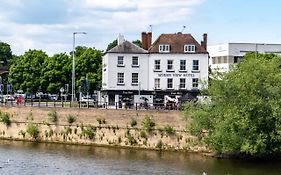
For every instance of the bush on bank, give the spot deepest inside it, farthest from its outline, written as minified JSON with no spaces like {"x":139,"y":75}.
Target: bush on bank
{"x":244,"y":115}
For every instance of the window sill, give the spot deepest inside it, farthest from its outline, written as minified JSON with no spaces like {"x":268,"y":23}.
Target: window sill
{"x":184,"y":71}
{"x":135,"y":65}
{"x":172,"y":70}
{"x":195,"y":71}
{"x":120,"y":65}
{"x":135,"y":84}
{"x":170,"y":88}
{"x":157,"y":70}
{"x":120,"y":84}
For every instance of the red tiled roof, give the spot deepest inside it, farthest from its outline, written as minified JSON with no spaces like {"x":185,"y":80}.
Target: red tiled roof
{"x":176,"y":42}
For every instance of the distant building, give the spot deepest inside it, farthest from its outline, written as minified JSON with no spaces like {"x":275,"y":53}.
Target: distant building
{"x":224,"y":56}
{"x":172,"y":66}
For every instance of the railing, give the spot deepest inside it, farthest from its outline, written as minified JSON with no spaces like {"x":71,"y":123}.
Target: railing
{"x":100,"y":105}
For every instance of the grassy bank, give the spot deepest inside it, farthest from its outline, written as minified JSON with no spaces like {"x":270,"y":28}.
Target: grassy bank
{"x":139,"y":129}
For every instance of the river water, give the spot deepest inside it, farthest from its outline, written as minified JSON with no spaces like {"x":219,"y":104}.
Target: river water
{"x":17,"y":158}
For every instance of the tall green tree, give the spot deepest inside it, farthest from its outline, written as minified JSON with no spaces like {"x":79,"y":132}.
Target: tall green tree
{"x":244,"y":115}
{"x":25,"y":72}
{"x":111,"y":45}
{"x":88,"y":66}
{"x":5,"y":53}
{"x":137,"y":42}
{"x":55,"y":73}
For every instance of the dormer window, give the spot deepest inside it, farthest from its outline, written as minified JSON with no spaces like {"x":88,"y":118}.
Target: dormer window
{"x":189,"y":48}
{"x":164,"y":48}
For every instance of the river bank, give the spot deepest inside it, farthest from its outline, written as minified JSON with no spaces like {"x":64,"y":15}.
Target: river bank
{"x":101,"y":127}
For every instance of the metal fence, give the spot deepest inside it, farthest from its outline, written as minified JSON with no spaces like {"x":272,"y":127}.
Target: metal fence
{"x":77,"y":104}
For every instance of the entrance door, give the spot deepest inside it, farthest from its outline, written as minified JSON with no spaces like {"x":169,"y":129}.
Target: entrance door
{"x":111,"y":100}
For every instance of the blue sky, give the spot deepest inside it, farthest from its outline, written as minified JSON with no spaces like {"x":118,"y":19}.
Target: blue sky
{"x":49,"y":24}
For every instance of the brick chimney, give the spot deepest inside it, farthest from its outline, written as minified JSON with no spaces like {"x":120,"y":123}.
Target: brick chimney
{"x":204,"y":42}
{"x":144,"y":40}
{"x":149,"y":39}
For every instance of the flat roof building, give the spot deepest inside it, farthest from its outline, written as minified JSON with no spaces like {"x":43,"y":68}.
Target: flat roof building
{"x":224,"y":56}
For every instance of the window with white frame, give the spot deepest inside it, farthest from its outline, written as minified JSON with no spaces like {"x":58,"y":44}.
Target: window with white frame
{"x":157,"y":65}
{"x":170,"y":65}
{"x":182,"y":83}
{"x":182,"y":65}
{"x":120,"y":79}
{"x":157,"y":83}
{"x":135,"y":61}
{"x":195,"y":65}
{"x":120,"y":61}
{"x":135,"y":78}
{"x":189,"y":48}
{"x":164,"y":48}
{"x":169,"y":83}
{"x":195,"y":82}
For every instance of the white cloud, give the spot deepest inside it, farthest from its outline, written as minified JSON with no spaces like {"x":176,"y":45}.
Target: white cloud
{"x":48,"y":25}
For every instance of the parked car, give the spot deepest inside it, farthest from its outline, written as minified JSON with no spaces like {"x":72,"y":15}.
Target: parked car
{"x":53,"y":96}
{"x":87,"y":100}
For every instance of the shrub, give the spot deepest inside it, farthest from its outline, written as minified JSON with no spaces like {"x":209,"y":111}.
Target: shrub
{"x":71,"y":119}
{"x":5,"y":118}
{"x":143,"y":134}
{"x":53,"y":116}
{"x":133,"y":122}
{"x":32,"y":130}
{"x":159,"y":145}
{"x":169,"y":129}
{"x":147,"y":124}
{"x":101,"y":120}
{"x":131,"y":139}
{"x":89,"y":132}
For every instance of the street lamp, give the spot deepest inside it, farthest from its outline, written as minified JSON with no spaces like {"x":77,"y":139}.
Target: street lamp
{"x":73,"y":66}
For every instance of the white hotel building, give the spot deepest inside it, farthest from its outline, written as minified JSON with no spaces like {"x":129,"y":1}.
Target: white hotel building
{"x":175,"y":64}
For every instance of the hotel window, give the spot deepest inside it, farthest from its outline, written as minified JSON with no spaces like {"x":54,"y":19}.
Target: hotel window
{"x":182,"y":65}
{"x":157,"y":83}
{"x":157,"y":66}
{"x":169,"y":83}
{"x":120,"y":79}
{"x":195,"y":82}
{"x":182,"y":83}
{"x":135,"y":78}
{"x":189,"y":48}
{"x":164,"y":48}
{"x":135,"y":61}
{"x":195,"y":65}
{"x":120,"y":61}
{"x":170,"y":66}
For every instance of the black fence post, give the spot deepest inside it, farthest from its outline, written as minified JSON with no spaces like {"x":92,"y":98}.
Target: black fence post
{"x":136,"y":106}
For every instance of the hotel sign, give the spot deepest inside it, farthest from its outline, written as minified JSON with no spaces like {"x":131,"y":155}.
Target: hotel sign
{"x":175,"y":75}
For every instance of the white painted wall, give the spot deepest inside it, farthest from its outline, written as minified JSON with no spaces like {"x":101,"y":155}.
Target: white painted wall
{"x":110,"y":83}
{"x":176,"y":75}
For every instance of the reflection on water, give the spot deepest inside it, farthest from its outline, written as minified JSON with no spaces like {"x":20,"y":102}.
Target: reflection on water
{"x":41,"y":158}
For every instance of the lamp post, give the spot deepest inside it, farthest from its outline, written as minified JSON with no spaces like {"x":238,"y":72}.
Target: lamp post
{"x":73,"y":66}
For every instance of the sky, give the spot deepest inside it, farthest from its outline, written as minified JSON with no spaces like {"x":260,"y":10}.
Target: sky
{"x":49,"y":24}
